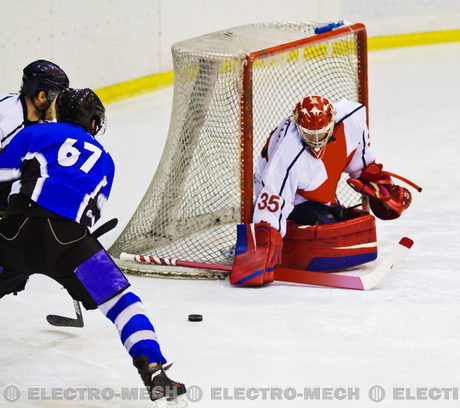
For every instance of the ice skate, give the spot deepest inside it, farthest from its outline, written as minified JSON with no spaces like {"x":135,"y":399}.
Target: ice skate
{"x":159,"y":385}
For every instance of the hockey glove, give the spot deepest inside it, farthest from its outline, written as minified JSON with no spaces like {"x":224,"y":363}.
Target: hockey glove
{"x":387,"y":200}
{"x":257,"y":254}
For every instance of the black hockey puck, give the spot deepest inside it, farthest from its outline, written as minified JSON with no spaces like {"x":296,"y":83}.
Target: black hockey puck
{"x":195,"y":318}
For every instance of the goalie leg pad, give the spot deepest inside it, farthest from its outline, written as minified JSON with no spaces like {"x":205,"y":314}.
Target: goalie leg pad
{"x":257,"y":254}
{"x":331,"y":247}
{"x":274,"y":255}
{"x":248,"y":264}
{"x":101,"y":277}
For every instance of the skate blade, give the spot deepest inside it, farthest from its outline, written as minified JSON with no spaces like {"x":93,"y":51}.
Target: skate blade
{"x":178,"y":402}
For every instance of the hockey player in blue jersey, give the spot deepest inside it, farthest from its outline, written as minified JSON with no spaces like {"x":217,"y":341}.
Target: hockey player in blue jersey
{"x":60,"y":178}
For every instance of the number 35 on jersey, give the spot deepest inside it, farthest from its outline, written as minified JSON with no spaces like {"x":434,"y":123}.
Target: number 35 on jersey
{"x":271,"y":203}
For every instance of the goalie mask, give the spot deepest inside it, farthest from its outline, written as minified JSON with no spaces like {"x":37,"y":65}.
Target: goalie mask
{"x":315,"y":119}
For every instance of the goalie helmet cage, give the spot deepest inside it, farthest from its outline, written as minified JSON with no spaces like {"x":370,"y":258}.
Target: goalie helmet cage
{"x":231,"y":88}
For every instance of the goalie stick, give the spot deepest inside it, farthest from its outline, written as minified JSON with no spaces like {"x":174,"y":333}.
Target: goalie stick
{"x":337,"y":280}
{"x":62,"y":321}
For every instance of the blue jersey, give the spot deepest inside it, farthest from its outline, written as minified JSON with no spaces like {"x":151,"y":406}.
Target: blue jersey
{"x":61,"y":167}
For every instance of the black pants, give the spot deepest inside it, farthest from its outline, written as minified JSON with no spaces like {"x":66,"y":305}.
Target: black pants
{"x":314,"y":213}
{"x":52,"y":246}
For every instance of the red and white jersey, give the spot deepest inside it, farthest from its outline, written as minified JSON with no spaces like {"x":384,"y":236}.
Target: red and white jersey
{"x":287,"y":173}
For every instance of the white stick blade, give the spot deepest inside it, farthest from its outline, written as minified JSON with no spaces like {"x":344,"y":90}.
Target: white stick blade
{"x":388,"y":264}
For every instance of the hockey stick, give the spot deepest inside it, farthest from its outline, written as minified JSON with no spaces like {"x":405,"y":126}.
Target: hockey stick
{"x":173,"y":262}
{"x":62,"y":321}
{"x":104,"y":228}
{"x":337,"y":280}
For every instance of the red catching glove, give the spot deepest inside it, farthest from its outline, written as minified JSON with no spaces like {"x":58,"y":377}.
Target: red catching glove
{"x":257,"y":254}
{"x":387,"y":200}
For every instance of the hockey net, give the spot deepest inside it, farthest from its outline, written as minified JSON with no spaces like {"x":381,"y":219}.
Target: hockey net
{"x":231,"y":88}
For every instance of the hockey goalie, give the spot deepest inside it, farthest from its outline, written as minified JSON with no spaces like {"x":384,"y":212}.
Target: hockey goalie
{"x":297,"y":220}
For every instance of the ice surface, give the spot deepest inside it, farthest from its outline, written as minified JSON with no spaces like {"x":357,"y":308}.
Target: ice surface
{"x":405,"y":333}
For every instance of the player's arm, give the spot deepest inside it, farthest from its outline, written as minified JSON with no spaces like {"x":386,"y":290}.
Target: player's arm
{"x":11,"y":159}
{"x":359,"y":141}
{"x":273,"y":142}
{"x":278,"y":182}
{"x":10,"y":168}
{"x":109,"y":173}
{"x":273,"y":207}
{"x":102,"y":173}
{"x":104,"y":194}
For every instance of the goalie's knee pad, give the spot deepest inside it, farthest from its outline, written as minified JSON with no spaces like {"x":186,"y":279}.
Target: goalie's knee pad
{"x":257,"y":254}
{"x":101,"y":277}
{"x":332,"y":247}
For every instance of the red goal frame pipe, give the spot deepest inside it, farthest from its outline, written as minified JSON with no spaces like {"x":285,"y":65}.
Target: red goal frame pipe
{"x":247,"y":130}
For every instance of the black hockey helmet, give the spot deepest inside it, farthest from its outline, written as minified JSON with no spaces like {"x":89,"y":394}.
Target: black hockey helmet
{"x":80,"y":107}
{"x":42,"y":75}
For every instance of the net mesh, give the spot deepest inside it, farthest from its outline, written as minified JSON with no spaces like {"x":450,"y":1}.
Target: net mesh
{"x":193,"y":203}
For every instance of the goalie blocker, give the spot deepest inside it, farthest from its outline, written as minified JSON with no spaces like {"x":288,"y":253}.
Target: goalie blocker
{"x":323,"y":248}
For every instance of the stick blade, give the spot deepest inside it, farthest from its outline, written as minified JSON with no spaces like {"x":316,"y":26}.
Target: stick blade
{"x":388,"y":264}
{"x":61,"y":321}
{"x":104,"y":228}
{"x":334,"y":280}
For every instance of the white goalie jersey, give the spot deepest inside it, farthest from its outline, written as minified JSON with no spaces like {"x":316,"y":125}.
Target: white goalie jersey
{"x":287,"y":173}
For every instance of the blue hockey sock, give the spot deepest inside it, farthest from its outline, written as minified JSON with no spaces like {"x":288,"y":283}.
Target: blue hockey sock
{"x":137,"y":333}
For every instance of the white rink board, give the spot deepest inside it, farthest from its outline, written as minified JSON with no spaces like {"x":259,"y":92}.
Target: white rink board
{"x":104,"y":42}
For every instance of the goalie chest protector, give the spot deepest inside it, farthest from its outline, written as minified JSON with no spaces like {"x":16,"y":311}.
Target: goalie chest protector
{"x":335,"y":161}
{"x":330,"y":247}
